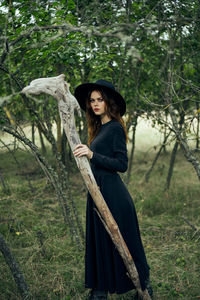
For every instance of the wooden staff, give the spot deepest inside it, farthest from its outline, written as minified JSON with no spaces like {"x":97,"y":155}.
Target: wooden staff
{"x":67,"y":103}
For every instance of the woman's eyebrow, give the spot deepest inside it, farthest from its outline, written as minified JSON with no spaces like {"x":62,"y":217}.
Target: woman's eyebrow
{"x":99,"y":98}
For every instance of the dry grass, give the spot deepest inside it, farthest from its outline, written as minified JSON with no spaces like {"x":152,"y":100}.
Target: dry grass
{"x":55,"y":270}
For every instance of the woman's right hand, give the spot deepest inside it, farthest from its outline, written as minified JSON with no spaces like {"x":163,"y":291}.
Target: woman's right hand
{"x":82,"y":150}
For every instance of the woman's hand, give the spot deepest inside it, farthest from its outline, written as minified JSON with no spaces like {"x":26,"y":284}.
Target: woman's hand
{"x":81,"y":150}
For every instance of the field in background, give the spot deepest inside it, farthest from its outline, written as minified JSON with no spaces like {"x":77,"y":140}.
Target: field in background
{"x":146,"y":135}
{"x":53,"y":266}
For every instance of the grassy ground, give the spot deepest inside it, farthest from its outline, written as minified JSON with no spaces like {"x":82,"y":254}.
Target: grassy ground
{"x":53,"y":266}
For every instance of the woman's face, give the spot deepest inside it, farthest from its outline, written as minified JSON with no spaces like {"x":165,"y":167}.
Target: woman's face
{"x":97,"y":103}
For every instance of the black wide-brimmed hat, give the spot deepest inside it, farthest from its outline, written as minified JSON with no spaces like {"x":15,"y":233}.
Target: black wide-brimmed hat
{"x":81,"y":93}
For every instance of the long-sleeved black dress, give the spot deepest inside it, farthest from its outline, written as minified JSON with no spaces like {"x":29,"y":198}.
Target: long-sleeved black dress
{"x":104,"y":268}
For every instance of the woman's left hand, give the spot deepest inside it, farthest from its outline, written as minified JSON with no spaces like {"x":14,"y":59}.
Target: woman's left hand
{"x":81,"y":150}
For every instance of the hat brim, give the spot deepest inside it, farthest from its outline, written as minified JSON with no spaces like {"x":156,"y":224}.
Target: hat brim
{"x":81,"y":94}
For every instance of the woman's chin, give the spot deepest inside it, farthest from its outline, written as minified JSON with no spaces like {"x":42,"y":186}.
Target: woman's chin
{"x":97,"y":113}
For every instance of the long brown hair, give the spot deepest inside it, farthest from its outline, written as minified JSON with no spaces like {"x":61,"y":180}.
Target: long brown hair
{"x":112,"y":109}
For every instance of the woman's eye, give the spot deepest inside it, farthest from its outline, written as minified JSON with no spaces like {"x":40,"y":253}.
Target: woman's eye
{"x":99,"y":100}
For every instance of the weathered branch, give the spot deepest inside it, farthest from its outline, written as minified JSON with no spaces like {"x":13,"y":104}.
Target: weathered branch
{"x":59,"y":89}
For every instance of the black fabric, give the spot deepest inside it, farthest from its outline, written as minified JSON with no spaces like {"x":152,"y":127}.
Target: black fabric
{"x":104,"y":268}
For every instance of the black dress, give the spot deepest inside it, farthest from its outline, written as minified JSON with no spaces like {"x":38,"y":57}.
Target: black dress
{"x":104,"y":268}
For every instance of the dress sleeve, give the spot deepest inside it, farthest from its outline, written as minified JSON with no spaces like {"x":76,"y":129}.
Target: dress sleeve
{"x":119,"y":161}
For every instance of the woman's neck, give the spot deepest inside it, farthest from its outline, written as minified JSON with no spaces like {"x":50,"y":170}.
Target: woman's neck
{"x":105,"y":119}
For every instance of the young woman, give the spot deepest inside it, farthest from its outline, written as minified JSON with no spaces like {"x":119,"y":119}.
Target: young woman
{"x":104,"y":269}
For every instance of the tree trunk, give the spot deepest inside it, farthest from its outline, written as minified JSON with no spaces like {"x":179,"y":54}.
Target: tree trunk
{"x":59,"y":89}
{"x":171,"y":165}
{"x":132,"y":149}
{"x":2,"y":182}
{"x":42,"y":141}
{"x":33,"y":132}
{"x":5,"y":187}
{"x":59,"y":135}
{"x":15,"y":270}
{"x":165,"y":134}
{"x":63,"y":147}
{"x":174,"y":151}
{"x":198,"y":125}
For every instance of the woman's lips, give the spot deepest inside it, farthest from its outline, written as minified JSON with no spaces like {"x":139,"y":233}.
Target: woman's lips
{"x":96,"y":109}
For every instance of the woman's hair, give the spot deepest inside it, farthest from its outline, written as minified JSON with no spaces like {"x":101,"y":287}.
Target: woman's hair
{"x":112,"y":109}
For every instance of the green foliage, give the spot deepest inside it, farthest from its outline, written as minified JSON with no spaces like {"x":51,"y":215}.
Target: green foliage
{"x":150,"y":51}
{"x":135,"y":57}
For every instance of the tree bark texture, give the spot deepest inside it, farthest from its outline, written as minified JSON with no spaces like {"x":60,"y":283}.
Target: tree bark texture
{"x":132,"y":149}
{"x":42,"y":141}
{"x":63,"y":147}
{"x":14,"y":268}
{"x":171,"y":165}
{"x":59,"y":89}
{"x":174,"y":151}
{"x":198,"y":125}
{"x":33,"y":132}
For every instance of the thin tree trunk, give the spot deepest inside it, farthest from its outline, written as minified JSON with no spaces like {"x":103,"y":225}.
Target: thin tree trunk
{"x":42,"y":141}
{"x":33,"y":132}
{"x":132,"y":149}
{"x":171,"y":165}
{"x":59,"y":89}
{"x":59,"y":135}
{"x":69,"y":154}
{"x":156,"y":158}
{"x":174,"y":151}
{"x":198,"y":125}
{"x":63,"y":147}
{"x":15,"y":269}
{"x":2,"y":181}
{"x":5,"y":187}
{"x":83,"y":133}
{"x":165,"y":134}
